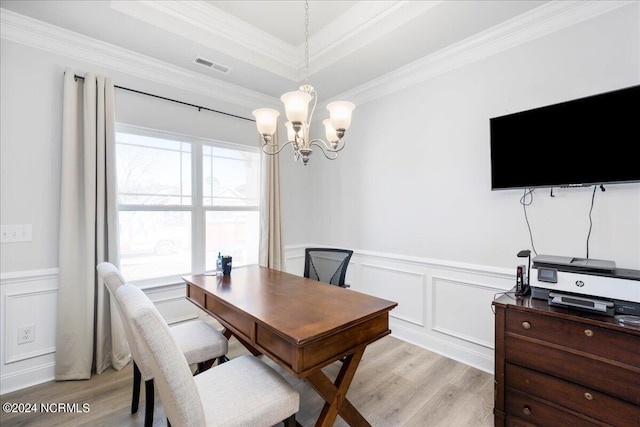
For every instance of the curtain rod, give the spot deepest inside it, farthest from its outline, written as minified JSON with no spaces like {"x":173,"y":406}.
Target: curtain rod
{"x":76,"y":77}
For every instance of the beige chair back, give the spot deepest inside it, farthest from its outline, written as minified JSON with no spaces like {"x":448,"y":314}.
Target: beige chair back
{"x":112,"y":278}
{"x":177,"y":388}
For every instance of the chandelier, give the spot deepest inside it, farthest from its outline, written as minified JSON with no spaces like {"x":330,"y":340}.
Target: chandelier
{"x":298,"y":126}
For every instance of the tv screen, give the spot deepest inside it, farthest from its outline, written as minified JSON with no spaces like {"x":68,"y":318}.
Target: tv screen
{"x":586,"y":141}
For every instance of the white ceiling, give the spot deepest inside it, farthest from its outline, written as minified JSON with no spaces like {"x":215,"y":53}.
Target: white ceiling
{"x":262,"y":42}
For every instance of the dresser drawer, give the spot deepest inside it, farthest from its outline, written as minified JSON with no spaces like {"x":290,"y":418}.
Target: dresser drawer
{"x":596,"y":373}
{"x":572,"y":396}
{"x":583,"y":337}
{"x":534,"y":412}
{"x":516,"y":422}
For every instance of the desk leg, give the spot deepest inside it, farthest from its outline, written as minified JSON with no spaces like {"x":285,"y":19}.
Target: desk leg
{"x":335,"y":394}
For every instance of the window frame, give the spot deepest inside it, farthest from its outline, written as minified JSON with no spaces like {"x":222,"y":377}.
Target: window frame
{"x":197,"y":208}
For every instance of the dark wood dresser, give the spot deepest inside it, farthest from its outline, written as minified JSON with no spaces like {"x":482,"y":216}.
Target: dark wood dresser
{"x":561,"y":367}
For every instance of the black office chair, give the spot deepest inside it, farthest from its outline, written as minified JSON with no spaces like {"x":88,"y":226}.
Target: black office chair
{"x":327,"y":265}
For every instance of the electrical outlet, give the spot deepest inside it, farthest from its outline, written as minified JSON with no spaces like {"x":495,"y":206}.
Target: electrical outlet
{"x":26,"y":334}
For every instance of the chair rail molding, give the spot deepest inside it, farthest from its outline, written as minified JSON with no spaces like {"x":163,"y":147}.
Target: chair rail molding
{"x":28,"y":276}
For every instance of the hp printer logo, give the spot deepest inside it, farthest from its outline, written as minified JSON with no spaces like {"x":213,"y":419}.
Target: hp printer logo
{"x":579,"y":283}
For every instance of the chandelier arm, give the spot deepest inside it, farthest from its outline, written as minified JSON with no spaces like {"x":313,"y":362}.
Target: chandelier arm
{"x":325,"y":150}
{"x":273,"y":153}
{"x":317,"y":142}
{"x":315,"y":102}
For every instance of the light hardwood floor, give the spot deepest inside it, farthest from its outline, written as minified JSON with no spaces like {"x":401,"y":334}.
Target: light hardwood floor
{"x":397,"y":384}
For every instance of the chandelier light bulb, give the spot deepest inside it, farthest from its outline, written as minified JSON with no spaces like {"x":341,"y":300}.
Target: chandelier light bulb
{"x":340,"y":113}
{"x":266,"y":120}
{"x":296,"y":105}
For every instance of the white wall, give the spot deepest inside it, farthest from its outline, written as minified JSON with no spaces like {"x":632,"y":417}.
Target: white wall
{"x":30,"y":144}
{"x":415,"y":177}
{"x":410,"y":194}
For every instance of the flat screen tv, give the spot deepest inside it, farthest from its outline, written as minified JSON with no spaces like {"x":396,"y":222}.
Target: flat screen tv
{"x":585,"y":141}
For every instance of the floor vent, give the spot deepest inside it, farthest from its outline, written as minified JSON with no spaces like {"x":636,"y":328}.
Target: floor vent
{"x":210,"y":64}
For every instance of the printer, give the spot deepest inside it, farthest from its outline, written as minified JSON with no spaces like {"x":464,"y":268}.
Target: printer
{"x":585,"y":283}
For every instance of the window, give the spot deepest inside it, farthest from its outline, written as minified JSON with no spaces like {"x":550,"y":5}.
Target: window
{"x":182,"y":200}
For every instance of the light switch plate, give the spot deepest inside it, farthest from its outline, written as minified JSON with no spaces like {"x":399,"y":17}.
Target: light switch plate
{"x":16,"y":233}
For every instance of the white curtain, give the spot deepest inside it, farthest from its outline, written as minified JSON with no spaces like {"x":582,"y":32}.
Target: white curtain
{"x":87,"y":335}
{"x":271,"y":251}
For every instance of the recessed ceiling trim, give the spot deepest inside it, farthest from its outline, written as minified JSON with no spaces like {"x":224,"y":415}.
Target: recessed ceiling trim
{"x":208,"y":25}
{"x":40,"y":35}
{"x":211,"y":27}
{"x":360,"y":25}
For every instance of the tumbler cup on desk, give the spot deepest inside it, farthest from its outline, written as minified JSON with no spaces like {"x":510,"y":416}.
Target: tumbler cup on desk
{"x":226,"y":265}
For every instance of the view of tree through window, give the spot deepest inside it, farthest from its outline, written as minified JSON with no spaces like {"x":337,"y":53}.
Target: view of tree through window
{"x":182,"y":200}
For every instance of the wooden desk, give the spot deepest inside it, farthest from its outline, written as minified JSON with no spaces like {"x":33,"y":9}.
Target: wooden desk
{"x":301,"y":324}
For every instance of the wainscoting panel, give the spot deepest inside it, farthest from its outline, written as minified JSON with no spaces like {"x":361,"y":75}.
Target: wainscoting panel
{"x":22,"y":310}
{"x":29,"y":298}
{"x":405,"y":287}
{"x":463,"y":318}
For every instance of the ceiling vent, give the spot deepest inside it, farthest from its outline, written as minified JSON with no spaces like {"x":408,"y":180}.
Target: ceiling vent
{"x":210,"y":64}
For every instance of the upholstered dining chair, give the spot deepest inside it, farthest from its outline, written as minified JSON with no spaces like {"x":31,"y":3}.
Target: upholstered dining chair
{"x":244,"y":391}
{"x":327,"y":265}
{"x":198,"y":341}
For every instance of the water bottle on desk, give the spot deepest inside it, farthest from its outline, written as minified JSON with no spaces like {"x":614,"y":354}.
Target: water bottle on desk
{"x":219,"y":265}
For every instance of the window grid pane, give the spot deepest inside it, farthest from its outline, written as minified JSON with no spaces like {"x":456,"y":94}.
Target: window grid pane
{"x":230,"y":177}
{"x":233,"y":233}
{"x":152,"y":171}
{"x":155,"y":243}
{"x":156,"y":198}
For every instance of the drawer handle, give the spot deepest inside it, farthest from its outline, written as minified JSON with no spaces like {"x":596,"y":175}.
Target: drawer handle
{"x":588,"y":332}
{"x":526,"y":410}
{"x":588,"y":396}
{"x":526,"y":325}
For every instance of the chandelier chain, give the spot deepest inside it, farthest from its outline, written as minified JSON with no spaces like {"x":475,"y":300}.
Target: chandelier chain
{"x":306,"y":41}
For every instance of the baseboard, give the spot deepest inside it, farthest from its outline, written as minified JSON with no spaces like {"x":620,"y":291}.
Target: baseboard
{"x":445,"y":348}
{"x":27,"y":378}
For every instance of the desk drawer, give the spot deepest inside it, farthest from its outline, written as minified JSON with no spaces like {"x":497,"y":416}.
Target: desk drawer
{"x":596,"y":373}
{"x":583,"y":337}
{"x":196,"y":295}
{"x":572,"y":396}
{"x":239,"y":322}
{"x":534,"y":412}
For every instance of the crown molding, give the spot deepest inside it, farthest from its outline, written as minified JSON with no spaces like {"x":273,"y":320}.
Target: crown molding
{"x":539,"y":22}
{"x":546,"y":19}
{"x":31,"y":32}
{"x":210,"y":26}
